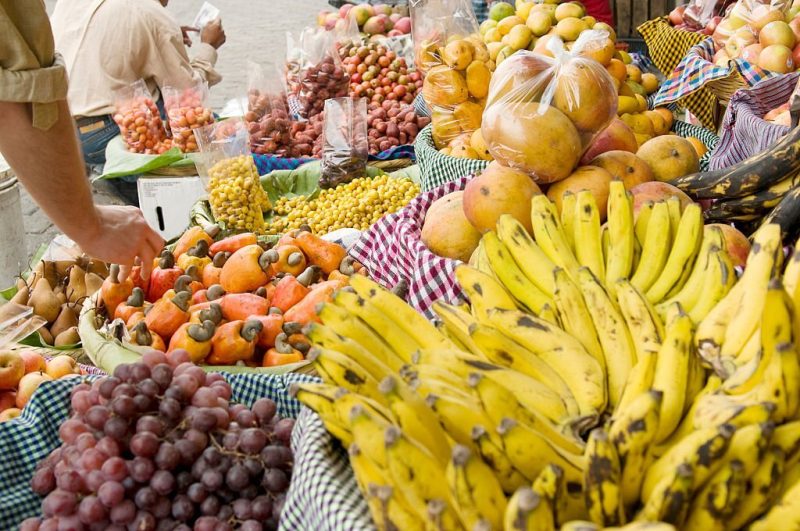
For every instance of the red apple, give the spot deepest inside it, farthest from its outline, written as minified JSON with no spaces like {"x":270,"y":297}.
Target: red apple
{"x":776,"y":58}
{"x":795,"y":26}
{"x":796,"y":55}
{"x":34,"y":361}
{"x":736,"y":243}
{"x":61,"y":366}
{"x":7,"y":399}
{"x":12,"y":368}
{"x":713,"y":23}
{"x":10,"y":413}
{"x":28,"y":385}
{"x":751,"y":53}
{"x":676,"y":15}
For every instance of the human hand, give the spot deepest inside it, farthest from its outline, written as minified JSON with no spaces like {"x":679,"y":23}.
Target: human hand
{"x":122,"y":236}
{"x":213,"y":33}
{"x":185,"y":30}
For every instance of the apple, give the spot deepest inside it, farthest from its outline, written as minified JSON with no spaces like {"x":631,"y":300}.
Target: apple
{"x":344,"y":10}
{"x":776,"y":58}
{"x":763,"y":15}
{"x":321,"y":17}
{"x":28,"y":385}
{"x":778,"y":32}
{"x":795,"y":27}
{"x":12,"y":368}
{"x":676,"y":15}
{"x":796,"y":55}
{"x":10,"y":413}
{"x":713,"y":23}
{"x":330,"y":21}
{"x":739,"y":41}
{"x":751,"y":53}
{"x":33,"y":361}
{"x":61,"y":366}
{"x":7,"y":399}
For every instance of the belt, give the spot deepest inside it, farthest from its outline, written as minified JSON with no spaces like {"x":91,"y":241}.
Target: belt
{"x":87,"y":124}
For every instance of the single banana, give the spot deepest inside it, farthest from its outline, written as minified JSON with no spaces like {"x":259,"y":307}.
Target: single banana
{"x":643,"y":526}
{"x":613,"y":334}
{"x":655,"y":248}
{"x":783,"y":515}
{"x":528,"y":511}
{"x":425,"y":379}
{"x":675,"y":208}
{"x":367,"y":430}
{"x":671,"y":374}
{"x":401,"y":343}
{"x":640,"y":379}
{"x":641,"y":221}
{"x":702,"y":449}
{"x":348,"y":325}
{"x":787,"y":438}
{"x":450,"y":360}
{"x":323,"y":406}
{"x":326,"y":337}
{"x":581,"y":525}
{"x":644,"y":322}
{"x":550,"y":236}
{"x":504,"y":351}
{"x":511,"y":276}
{"x":499,"y":402}
{"x":671,"y":497}
{"x":687,"y":241}
{"x":415,"y":418}
{"x":396,"y":512}
{"x":568,"y":220}
{"x":458,"y":417}
{"x":791,"y":274}
{"x":748,"y":445}
{"x":404,"y":316}
{"x":621,"y":236}
{"x":687,"y":425}
{"x":529,"y":256}
{"x":576,"y":319}
{"x":579,"y":370}
{"x":369,"y":477}
{"x":338,"y":369}
{"x":475,"y":489}
{"x":689,"y":292}
{"x":484,"y":292}
{"x":718,"y":281}
{"x":762,"y":489}
{"x":717,"y":499}
{"x":633,"y":431}
{"x":548,"y":313}
{"x":717,"y":409}
{"x":492,"y":451}
{"x":602,"y":480}
{"x":588,"y":240}
{"x":457,"y":323}
{"x":480,"y":261}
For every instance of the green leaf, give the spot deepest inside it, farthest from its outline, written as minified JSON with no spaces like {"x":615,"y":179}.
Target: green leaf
{"x":35,"y":340}
{"x":121,"y":162}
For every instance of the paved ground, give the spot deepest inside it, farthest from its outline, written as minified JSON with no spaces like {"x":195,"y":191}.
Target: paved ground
{"x":255,"y":30}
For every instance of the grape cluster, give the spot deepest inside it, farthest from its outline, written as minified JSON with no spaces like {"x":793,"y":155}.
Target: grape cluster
{"x":159,"y":446}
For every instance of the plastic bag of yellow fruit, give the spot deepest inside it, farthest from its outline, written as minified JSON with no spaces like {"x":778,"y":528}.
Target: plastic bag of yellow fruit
{"x":456,"y":63}
{"x":543,"y":111}
{"x":230,"y":176}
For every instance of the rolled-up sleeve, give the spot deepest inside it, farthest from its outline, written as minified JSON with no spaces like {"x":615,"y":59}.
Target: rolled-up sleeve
{"x":30,"y":70}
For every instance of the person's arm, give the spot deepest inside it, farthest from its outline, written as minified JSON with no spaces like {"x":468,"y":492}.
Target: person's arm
{"x":49,"y":164}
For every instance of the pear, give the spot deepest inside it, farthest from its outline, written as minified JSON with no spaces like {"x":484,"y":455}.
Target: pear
{"x":76,"y":285}
{"x":46,"y":336}
{"x":67,"y":337}
{"x":92,"y":283}
{"x":67,"y":318}
{"x":44,"y":302}
{"x":22,"y":295}
{"x":62,"y":297}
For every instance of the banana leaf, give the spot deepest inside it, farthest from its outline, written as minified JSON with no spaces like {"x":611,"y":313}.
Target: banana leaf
{"x":121,"y":162}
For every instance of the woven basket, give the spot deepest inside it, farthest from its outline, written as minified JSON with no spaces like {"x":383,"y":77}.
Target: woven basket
{"x":666,"y":44}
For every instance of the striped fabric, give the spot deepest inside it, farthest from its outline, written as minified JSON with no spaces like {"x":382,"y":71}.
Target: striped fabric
{"x":744,"y":132}
{"x":437,"y":168}
{"x":481,"y":8}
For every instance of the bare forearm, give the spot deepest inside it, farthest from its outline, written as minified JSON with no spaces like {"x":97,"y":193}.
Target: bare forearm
{"x":50,"y":165}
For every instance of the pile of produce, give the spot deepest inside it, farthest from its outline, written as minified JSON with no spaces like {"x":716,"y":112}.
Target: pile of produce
{"x":21,"y":373}
{"x":392,"y":123}
{"x":230,"y":302}
{"x":757,"y":191}
{"x":694,"y":18}
{"x":140,"y":123}
{"x":372,"y":20}
{"x":357,"y":204}
{"x":311,"y":82}
{"x":187,"y":110}
{"x":378,"y":73}
{"x":235,"y":194}
{"x":55,"y":291}
{"x":587,"y":384}
{"x":763,"y":34}
{"x":160,"y":445}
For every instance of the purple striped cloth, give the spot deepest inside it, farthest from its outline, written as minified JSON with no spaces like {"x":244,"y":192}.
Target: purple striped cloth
{"x":744,"y":132}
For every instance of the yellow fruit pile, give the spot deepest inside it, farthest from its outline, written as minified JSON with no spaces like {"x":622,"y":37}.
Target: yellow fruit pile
{"x":587,"y":386}
{"x":357,"y":204}
{"x":235,"y":194}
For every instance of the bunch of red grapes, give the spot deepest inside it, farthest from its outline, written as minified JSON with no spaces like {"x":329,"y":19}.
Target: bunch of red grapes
{"x":159,"y":446}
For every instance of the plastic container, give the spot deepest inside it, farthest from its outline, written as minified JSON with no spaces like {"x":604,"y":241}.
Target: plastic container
{"x":12,"y":237}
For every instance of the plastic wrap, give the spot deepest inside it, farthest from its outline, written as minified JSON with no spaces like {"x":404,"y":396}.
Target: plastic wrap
{"x":698,"y":13}
{"x":456,"y":63}
{"x":267,"y":117}
{"x":743,"y":22}
{"x":230,"y":176}
{"x":314,"y":71}
{"x":543,"y":112}
{"x":139,"y":121}
{"x":187,"y":109}
{"x":345,"y":149}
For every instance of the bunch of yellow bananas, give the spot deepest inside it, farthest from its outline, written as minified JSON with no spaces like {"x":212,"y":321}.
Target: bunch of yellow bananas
{"x":588,"y":385}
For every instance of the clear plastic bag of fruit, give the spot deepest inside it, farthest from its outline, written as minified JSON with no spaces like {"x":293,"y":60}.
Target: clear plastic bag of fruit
{"x":267,"y":118}
{"x":543,"y":112}
{"x":230,"y":176}
{"x":314,"y":71}
{"x":187,"y":109}
{"x":744,"y":21}
{"x":698,"y":13}
{"x":345,"y":148}
{"x":456,"y":63}
{"x":138,"y":119}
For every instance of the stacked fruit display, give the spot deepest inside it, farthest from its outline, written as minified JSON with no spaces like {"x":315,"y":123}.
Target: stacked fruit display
{"x":372,"y":20}
{"x":311,"y":83}
{"x":270,"y":125}
{"x":377,"y":73}
{"x":160,"y":445}
{"x":55,"y":291}
{"x":187,"y":110}
{"x":767,"y":35}
{"x":357,"y":204}
{"x":235,"y":194}
{"x":21,"y":373}
{"x":586,"y":385}
{"x":141,"y":126}
{"x":230,"y":302}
